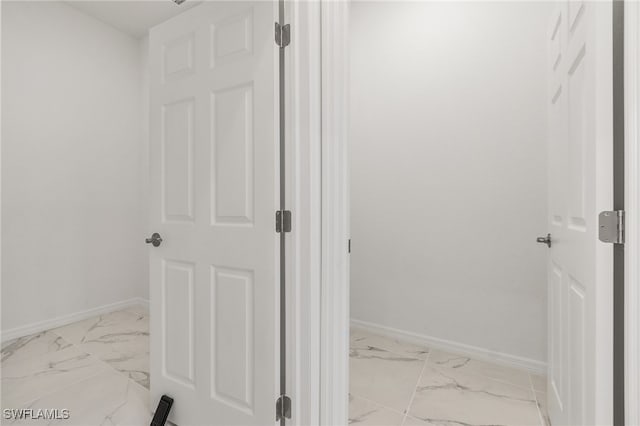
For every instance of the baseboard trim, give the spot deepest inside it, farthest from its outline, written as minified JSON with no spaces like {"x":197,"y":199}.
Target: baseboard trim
{"x":40,"y":326}
{"x":143,"y":302}
{"x":475,"y":352}
{"x":410,"y":337}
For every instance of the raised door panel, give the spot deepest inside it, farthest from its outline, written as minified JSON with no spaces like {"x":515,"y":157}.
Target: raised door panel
{"x":577,"y":133}
{"x":557,"y":338}
{"x":177,"y":160}
{"x":232,"y":38}
{"x":232,"y":147}
{"x":233,"y":335}
{"x":178,"y":345}
{"x":577,"y":352}
{"x":178,"y":58}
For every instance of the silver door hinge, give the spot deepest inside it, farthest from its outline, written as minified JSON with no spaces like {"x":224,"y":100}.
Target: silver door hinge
{"x":283,"y":35}
{"x":283,"y":407}
{"x":283,"y":221}
{"x":611,"y":226}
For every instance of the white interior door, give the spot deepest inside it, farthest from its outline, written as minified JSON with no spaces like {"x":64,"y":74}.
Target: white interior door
{"x":213,"y":162}
{"x":580,"y":269}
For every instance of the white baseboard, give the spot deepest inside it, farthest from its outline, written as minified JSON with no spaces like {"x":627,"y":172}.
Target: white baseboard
{"x":475,"y":352}
{"x":37,"y":327}
{"x":143,"y":302}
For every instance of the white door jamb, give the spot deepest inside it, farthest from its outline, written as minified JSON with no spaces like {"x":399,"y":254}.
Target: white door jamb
{"x":334,"y":346}
{"x":303,"y":85}
{"x":320,"y":204}
{"x":632,"y":208}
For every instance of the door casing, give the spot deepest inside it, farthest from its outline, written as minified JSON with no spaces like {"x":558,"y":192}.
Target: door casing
{"x":318,"y":257}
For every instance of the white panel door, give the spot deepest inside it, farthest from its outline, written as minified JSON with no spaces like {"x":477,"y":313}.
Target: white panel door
{"x":213,"y":162}
{"x":580,"y":273}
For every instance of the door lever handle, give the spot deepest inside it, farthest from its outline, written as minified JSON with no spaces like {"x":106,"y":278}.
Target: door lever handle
{"x":545,"y":240}
{"x":155,"y":239}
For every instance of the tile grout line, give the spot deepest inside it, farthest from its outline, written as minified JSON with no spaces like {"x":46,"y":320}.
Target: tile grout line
{"x":535,"y":398}
{"x":403,"y":414}
{"x":397,"y":341}
{"x":395,"y":410}
{"x":503,"y":381}
{"x":492,"y":378}
{"x":94,"y":357}
{"x":415,"y":389}
{"x":58,"y":390}
{"x":73,"y":383}
{"x":487,"y":376}
{"x":102,"y":364}
{"x":431,"y":350}
{"x":520,"y":379}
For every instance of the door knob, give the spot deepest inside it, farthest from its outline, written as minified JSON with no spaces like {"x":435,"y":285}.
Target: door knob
{"x":155,"y":239}
{"x":545,"y":240}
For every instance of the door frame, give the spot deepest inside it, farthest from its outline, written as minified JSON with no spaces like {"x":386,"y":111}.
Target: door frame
{"x":303,"y":87}
{"x":335,"y":202}
{"x":632,"y":207}
{"x":317,"y":160}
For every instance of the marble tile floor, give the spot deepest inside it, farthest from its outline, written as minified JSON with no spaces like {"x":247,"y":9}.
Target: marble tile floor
{"x":393,"y":383}
{"x":98,"y":369}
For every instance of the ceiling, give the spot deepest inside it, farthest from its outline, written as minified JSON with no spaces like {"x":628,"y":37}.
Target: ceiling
{"x":132,"y":17}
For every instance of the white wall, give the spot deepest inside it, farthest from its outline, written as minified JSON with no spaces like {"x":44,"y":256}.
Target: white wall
{"x":449,"y":171}
{"x":72,"y":215}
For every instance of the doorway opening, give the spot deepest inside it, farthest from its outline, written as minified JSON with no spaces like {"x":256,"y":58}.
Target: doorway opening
{"x":462,"y":159}
{"x":449,"y":170}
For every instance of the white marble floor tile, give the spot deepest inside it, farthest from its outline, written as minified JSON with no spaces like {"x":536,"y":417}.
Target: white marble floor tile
{"x":113,"y":328}
{"x":24,"y":381}
{"x":107,"y":399}
{"x":368,"y":413}
{"x":384,"y":377}
{"x":130,"y":343}
{"x":30,"y":346}
{"x":361,"y":339}
{"x":119,"y":346}
{"x":541,"y":397}
{"x":98,"y":368}
{"x":469,"y":365}
{"x":539,"y":383}
{"x":121,"y":339}
{"x":447,"y":395}
{"x":138,"y":309}
{"x":136,"y":367}
{"x":410,"y":421}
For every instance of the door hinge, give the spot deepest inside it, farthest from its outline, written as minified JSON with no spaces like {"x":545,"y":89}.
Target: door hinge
{"x":611,"y":226}
{"x":283,"y":35}
{"x":283,"y":221}
{"x":283,"y":407}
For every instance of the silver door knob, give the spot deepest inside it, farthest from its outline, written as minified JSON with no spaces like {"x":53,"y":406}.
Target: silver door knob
{"x":155,"y":239}
{"x":545,"y":240}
